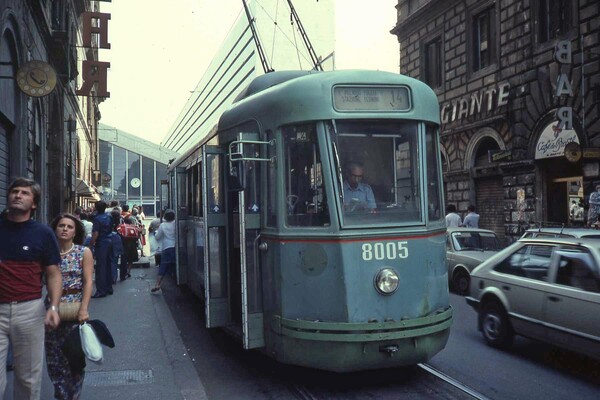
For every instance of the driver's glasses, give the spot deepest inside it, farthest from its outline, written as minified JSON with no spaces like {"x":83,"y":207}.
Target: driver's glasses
{"x":357,"y":177}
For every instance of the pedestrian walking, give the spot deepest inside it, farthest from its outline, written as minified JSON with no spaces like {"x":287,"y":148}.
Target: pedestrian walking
{"x":102,"y":243}
{"x":594,"y":210}
{"x":452,"y":218}
{"x":125,"y":211}
{"x":117,"y":244}
{"x":28,"y":249}
{"x":77,"y":265}
{"x":114,"y":205}
{"x":130,"y":251}
{"x":87,"y":224}
{"x":166,"y":237}
{"x":154,"y":245}
{"x":138,"y":221}
{"x":472,"y":218}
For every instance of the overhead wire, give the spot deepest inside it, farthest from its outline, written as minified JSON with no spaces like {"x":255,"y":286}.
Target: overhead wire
{"x":292,"y":42}
{"x":295,"y":41}
{"x":274,"y":29}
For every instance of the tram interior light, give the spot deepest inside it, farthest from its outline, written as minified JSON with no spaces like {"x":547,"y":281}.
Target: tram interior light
{"x":386,"y":281}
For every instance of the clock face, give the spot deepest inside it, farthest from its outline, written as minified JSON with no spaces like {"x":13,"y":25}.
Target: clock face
{"x":573,"y":152}
{"x":36,"y":78}
{"x":135,"y":182}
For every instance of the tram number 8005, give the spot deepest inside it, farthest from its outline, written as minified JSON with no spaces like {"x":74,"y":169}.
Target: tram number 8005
{"x":384,"y":251}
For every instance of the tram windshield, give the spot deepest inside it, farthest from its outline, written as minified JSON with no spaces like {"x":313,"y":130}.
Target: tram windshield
{"x":379,"y":177}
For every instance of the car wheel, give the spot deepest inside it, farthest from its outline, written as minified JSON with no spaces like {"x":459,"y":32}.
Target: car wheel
{"x":495,"y":326}
{"x":461,"y":281}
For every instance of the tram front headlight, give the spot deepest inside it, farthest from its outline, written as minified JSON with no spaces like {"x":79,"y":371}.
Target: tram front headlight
{"x":386,"y":281}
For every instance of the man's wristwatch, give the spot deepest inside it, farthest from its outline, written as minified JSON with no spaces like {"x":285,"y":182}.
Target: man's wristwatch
{"x":54,"y":308}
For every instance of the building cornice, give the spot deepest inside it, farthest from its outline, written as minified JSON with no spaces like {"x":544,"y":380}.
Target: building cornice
{"x":420,"y":17}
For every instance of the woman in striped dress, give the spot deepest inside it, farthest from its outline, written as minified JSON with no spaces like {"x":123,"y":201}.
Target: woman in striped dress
{"x":77,"y":268}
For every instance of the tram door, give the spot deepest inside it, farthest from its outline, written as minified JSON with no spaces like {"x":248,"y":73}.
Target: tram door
{"x":214,"y":240}
{"x":246,"y":227}
{"x":178,"y":200}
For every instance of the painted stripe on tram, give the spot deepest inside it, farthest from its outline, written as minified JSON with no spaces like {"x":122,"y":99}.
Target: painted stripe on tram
{"x":351,"y":240}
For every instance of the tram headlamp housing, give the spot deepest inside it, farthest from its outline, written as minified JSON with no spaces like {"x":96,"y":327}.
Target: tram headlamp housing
{"x":386,"y":281}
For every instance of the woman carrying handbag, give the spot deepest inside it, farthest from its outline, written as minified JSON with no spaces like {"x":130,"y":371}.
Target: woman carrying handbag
{"x":77,"y":267}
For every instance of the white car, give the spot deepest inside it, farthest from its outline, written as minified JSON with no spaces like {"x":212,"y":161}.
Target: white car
{"x":466,"y":248}
{"x":547,"y":289}
{"x":561,"y":232}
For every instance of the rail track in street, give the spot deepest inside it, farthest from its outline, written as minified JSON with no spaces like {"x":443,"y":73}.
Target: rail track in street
{"x":303,"y":392}
{"x":460,"y":386}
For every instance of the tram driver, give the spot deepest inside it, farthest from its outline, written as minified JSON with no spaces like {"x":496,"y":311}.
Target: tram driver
{"x":358,"y":196}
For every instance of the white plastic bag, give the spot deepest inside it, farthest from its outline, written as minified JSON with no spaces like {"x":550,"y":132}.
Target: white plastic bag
{"x":154,"y":245}
{"x":89,"y":343}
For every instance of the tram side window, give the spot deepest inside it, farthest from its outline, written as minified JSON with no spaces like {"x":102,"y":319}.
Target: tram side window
{"x":189,"y":178}
{"x":182,"y":194}
{"x":433,"y":178}
{"x":195,"y":174}
{"x":214,"y":181}
{"x":252,"y":185}
{"x":305,"y":198}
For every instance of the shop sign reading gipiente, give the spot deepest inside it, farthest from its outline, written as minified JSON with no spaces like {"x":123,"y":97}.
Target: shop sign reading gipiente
{"x":482,"y":101}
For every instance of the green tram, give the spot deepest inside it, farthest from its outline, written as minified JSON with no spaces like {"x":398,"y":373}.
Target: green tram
{"x":310,"y":220}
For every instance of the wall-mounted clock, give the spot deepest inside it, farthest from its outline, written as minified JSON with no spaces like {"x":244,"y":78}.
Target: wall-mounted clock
{"x":573,"y":152}
{"x":36,"y":78}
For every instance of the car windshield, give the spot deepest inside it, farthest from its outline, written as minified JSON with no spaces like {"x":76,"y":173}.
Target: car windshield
{"x":475,"y":241}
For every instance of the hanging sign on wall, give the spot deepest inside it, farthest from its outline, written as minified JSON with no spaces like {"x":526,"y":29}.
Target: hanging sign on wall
{"x":94,"y":72}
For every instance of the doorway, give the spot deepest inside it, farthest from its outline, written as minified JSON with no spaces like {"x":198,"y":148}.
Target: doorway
{"x":565,"y":201}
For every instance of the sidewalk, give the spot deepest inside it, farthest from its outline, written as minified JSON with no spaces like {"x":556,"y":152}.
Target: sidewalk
{"x":149,"y":360}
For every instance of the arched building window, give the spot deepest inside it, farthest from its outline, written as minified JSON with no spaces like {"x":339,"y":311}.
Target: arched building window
{"x":484,"y":141}
{"x":9,"y":105}
{"x":487,"y":191}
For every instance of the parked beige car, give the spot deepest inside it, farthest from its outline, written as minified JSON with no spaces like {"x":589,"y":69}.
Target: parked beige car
{"x":466,"y":248}
{"x":546,"y":289}
{"x":561,"y":232}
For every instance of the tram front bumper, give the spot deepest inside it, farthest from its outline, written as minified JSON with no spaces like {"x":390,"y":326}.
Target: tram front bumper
{"x":344,"y":347}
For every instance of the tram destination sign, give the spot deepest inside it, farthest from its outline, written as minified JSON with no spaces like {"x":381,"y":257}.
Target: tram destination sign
{"x":371,"y":98}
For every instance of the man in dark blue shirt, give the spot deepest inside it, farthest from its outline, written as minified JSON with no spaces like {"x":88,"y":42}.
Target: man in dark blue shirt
{"x":102,"y":231}
{"x":27,"y":250}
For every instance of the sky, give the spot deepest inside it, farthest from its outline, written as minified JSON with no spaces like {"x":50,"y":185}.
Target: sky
{"x":160,"y":50}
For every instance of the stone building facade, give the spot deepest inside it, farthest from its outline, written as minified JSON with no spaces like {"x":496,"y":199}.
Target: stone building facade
{"x":49,"y":134}
{"x":519,"y":87}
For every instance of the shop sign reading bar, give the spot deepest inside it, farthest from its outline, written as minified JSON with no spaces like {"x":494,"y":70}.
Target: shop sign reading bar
{"x":94,"y":73}
{"x":371,"y":98}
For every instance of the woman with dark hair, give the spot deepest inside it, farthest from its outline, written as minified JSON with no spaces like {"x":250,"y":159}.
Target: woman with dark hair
{"x":77,"y":265}
{"x":166,"y":237}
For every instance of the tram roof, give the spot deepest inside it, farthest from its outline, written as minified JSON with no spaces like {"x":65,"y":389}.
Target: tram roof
{"x":294,"y":96}
{"x":300,"y":96}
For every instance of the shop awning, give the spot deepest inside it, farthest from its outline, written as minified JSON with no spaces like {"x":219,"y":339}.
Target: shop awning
{"x":85,"y":189}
